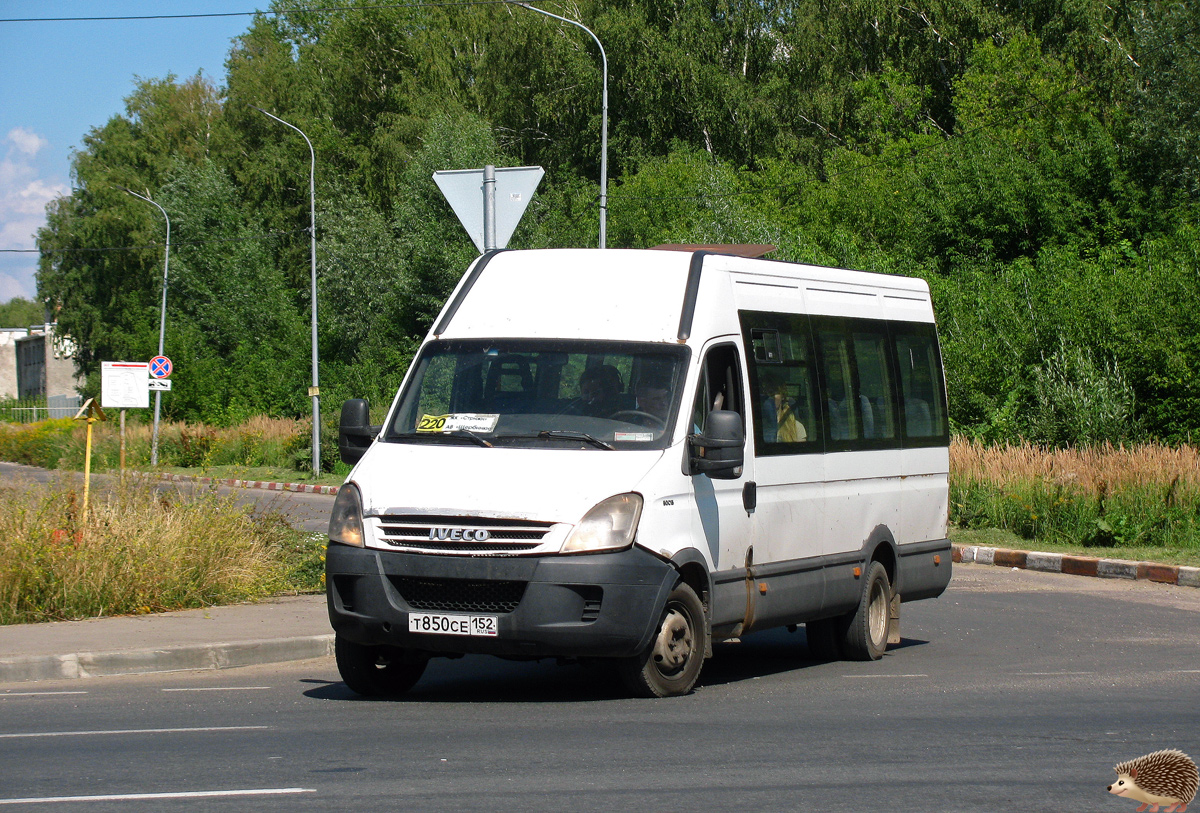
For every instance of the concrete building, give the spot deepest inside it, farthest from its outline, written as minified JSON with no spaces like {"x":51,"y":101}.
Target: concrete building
{"x":37,"y":364}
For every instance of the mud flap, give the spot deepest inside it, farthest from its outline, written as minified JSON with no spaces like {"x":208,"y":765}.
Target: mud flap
{"x":893,"y":636}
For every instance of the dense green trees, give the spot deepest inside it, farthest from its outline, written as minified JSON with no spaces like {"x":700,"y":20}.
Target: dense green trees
{"x":1036,"y":162}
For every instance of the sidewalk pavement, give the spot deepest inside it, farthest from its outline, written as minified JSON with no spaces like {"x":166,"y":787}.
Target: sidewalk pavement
{"x":285,"y":629}
{"x":297,"y":627}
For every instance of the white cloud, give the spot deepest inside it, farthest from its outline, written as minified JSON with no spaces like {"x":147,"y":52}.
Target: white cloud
{"x":23,"y":198}
{"x":27,"y":142}
{"x":11,"y":288}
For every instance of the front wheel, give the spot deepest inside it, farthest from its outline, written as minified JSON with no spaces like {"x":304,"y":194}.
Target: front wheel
{"x":865,"y":637}
{"x":671,"y":664}
{"x":378,"y":671}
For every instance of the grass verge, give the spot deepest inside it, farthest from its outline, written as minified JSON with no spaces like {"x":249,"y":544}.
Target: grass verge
{"x":997,"y":538}
{"x":140,"y":550}
{"x":1139,"y":502}
{"x":271,"y":474}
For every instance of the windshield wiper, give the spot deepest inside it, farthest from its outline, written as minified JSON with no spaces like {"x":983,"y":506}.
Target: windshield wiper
{"x":467,"y":433}
{"x":572,"y":435}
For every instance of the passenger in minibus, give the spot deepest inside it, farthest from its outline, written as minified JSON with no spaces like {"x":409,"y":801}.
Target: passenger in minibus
{"x":600,"y":391}
{"x":841,"y":426}
{"x":653,"y":394}
{"x":780,"y":424}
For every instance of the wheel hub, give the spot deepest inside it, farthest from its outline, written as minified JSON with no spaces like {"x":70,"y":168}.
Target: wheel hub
{"x":673,"y":646}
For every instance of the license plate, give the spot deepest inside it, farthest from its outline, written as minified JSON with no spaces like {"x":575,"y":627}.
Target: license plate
{"x":443,"y":624}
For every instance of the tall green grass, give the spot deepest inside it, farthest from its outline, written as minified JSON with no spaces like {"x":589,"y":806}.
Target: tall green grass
{"x":141,"y":549}
{"x":61,"y":443}
{"x":1104,"y":496}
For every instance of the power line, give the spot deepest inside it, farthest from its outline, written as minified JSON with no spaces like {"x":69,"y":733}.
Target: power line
{"x":253,"y":13}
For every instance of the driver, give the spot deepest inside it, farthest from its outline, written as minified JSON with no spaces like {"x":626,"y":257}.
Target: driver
{"x":653,"y":393}
{"x":600,"y":390}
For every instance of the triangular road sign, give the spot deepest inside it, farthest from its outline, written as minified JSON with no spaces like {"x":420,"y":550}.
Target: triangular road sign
{"x":463,"y":189}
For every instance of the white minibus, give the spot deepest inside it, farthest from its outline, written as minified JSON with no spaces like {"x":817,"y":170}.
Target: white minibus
{"x":628,"y":455}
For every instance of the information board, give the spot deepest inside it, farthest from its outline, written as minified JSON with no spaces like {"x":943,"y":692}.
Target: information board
{"x":124,"y":384}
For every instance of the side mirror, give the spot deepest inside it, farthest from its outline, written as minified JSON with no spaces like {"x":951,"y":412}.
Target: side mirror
{"x":720,"y":451}
{"x":355,"y":432}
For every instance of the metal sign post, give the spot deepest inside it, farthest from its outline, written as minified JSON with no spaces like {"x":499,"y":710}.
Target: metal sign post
{"x":489,"y":202}
{"x":160,"y":368}
{"x":91,"y":412}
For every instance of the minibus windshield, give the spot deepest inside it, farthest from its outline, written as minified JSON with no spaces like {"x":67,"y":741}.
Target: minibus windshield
{"x":604,"y":396}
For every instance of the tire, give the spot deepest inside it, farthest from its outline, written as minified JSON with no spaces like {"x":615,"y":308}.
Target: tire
{"x":866,"y":633}
{"x":822,"y":638}
{"x":377,"y":671}
{"x":672,"y":662}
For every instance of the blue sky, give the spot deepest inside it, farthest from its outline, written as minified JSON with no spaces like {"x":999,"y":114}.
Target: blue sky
{"x":60,"y":79}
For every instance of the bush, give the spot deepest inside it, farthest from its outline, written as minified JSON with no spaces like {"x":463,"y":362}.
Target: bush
{"x":141,"y":549}
{"x":1079,"y":402}
{"x":61,"y":443}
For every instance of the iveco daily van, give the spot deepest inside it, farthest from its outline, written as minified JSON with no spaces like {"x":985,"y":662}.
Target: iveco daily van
{"x":629,"y":455}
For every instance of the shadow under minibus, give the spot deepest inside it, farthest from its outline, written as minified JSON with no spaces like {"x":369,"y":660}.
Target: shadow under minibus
{"x":484,"y":678}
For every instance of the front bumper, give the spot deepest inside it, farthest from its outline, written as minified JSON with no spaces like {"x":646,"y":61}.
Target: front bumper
{"x":594,"y":605}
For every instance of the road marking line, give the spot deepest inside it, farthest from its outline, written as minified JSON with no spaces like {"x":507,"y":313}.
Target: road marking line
{"x":1184,"y":671}
{"x":1054,"y":674}
{"x":133,"y":731}
{"x":34,"y":694}
{"x":125,"y":797}
{"x":883,"y":676}
{"x":220,"y":689}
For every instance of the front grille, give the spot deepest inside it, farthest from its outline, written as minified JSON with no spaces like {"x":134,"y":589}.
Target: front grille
{"x":459,"y":595}
{"x":432,"y":533}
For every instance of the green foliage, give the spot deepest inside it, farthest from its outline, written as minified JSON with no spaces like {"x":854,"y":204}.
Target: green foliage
{"x":1036,"y":163}
{"x":1077,"y":400}
{"x":20,"y":312}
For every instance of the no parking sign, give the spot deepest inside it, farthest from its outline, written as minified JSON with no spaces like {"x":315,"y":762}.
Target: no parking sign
{"x":160,"y":367}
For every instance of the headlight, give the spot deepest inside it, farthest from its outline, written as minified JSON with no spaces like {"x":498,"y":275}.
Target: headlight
{"x":345,"y":522}
{"x":610,"y":525}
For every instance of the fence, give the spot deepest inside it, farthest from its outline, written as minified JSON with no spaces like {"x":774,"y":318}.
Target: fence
{"x":30,"y":410}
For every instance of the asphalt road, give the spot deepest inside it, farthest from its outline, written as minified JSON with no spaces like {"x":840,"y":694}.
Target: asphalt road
{"x":1015,"y":691}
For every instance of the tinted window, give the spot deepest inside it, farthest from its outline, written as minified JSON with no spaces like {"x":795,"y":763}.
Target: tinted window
{"x":531,"y":393}
{"x":922,"y":390}
{"x":784,"y":402}
{"x":828,"y":382}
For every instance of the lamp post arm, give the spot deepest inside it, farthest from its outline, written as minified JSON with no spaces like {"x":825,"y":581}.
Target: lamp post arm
{"x":312,"y":236}
{"x":603,"y":117}
{"x":162,"y":320}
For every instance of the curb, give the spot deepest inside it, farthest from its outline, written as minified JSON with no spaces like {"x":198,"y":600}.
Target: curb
{"x":169,"y":659}
{"x":1072,"y":565}
{"x":303,"y":488}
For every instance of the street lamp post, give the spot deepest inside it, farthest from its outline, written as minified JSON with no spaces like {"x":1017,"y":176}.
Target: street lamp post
{"x":162,"y":324}
{"x":603,"y":118}
{"x":314,"y":390}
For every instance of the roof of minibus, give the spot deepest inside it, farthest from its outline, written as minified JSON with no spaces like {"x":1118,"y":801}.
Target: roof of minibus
{"x":628,"y":294}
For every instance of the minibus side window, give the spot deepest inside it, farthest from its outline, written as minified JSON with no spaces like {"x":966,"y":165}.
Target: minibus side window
{"x":851,"y":416}
{"x":875,"y":383}
{"x":720,"y":386}
{"x":922,"y":391}
{"x":783,"y":397}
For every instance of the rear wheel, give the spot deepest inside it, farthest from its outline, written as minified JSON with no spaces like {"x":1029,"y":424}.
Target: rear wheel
{"x":866,"y":634}
{"x":672,"y":662}
{"x":378,"y":671}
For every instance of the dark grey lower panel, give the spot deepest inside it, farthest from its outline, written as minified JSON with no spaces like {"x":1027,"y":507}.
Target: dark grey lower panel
{"x":600,"y":605}
{"x":802,"y":590}
{"x":924,"y":569}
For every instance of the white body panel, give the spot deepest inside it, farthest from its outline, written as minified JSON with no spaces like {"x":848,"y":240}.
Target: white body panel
{"x":808,"y":505}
